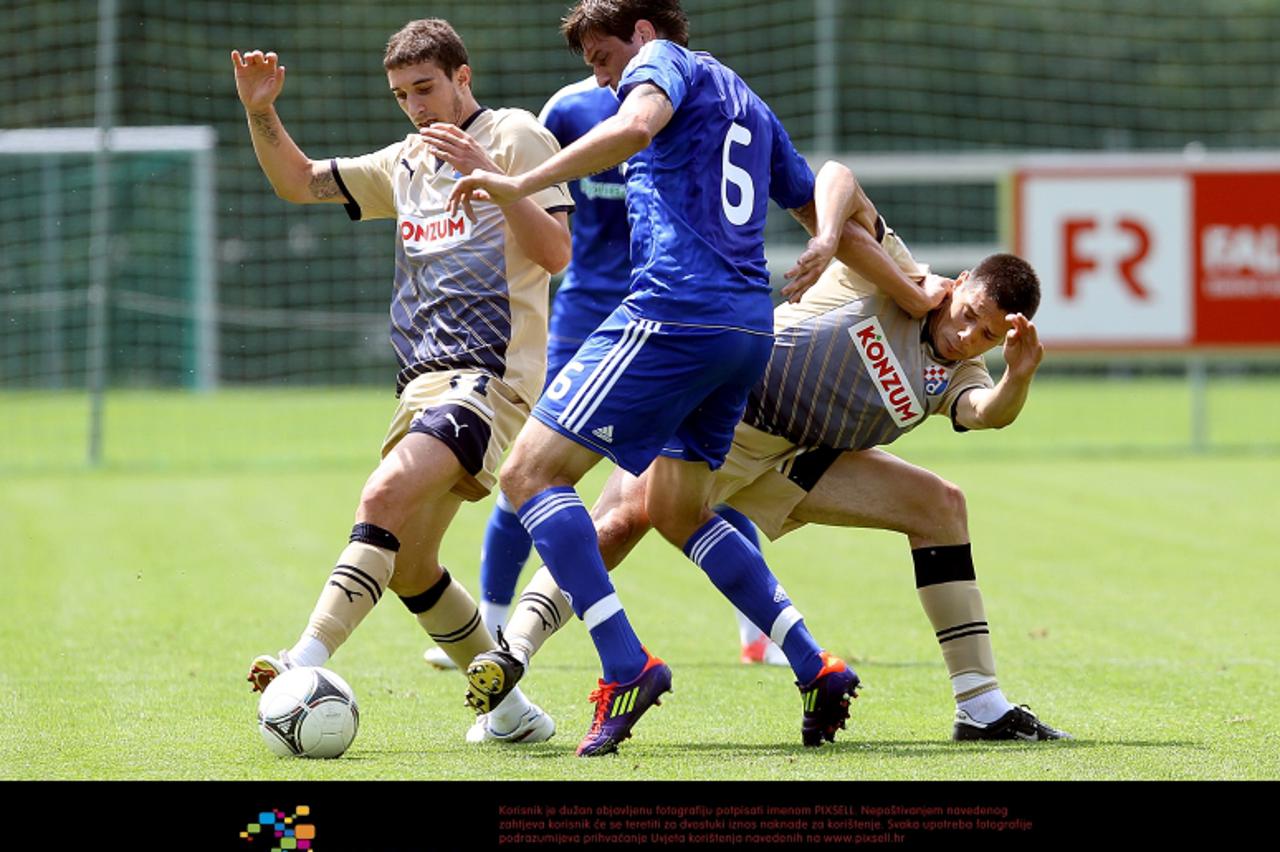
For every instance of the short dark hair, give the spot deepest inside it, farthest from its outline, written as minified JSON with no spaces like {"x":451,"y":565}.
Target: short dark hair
{"x":618,"y":18}
{"x":1011,"y":282}
{"x":426,"y":40}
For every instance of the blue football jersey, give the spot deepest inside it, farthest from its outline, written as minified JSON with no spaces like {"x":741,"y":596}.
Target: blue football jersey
{"x":698,"y":195}
{"x":599,"y":275}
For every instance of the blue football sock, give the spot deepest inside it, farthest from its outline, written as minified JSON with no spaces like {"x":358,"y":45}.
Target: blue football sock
{"x":738,"y":570}
{"x":566,"y":540}
{"x":739,"y":522}
{"x":505,"y":550}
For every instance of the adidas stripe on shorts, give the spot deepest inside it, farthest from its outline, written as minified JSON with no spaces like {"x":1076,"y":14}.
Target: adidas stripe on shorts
{"x":639,"y":388}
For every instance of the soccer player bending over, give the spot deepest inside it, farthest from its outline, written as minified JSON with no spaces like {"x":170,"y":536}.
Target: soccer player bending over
{"x":662,"y":383}
{"x":851,"y":371}
{"x":468,"y":326}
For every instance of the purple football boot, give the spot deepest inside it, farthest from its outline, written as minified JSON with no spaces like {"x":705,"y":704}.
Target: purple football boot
{"x":826,"y":701}
{"x":620,"y":705}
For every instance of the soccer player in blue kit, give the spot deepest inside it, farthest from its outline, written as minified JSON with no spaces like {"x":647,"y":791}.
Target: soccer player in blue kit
{"x":597,"y":280}
{"x":663,"y":382}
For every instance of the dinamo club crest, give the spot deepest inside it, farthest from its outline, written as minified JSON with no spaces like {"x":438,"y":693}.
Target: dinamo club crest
{"x":936,"y":379}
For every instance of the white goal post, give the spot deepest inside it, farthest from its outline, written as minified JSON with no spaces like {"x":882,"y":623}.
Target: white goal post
{"x":49,"y":143}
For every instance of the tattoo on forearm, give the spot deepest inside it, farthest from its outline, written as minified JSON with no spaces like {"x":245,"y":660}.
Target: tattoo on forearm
{"x":654,"y":93}
{"x":263,"y":127}
{"x":323,"y":186}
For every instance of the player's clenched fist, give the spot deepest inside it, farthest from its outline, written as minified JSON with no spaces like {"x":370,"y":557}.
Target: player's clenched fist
{"x":259,"y":78}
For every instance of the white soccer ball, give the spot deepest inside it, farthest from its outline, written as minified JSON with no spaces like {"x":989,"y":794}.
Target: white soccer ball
{"x":308,"y":712}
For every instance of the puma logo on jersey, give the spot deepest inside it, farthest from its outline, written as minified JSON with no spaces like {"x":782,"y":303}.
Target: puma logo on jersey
{"x":886,"y":371}
{"x":408,"y":168}
{"x":457,"y":427}
{"x":604,"y":433}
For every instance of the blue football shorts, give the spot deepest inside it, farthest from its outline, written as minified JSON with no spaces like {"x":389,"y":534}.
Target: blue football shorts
{"x":638,"y":388}
{"x":560,"y":351}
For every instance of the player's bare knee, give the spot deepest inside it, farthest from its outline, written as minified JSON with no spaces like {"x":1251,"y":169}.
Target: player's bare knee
{"x":619,"y":530}
{"x":950,"y":513}
{"x":516,"y":483}
{"x":383,"y":501}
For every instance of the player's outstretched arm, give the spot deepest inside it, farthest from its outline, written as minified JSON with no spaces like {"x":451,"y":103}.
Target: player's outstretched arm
{"x":294,"y":177}
{"x":645,"y":111}
{"x":997,"y":407}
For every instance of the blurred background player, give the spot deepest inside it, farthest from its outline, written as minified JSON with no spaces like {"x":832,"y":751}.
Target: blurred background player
{"x":467,"y":326}
{"x":805,"y":452}
{"x":664,"y":380}
{"x":597,"y":280}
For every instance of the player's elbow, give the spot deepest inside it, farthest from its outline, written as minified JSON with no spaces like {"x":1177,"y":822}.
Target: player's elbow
{"x":996,"y":420}
{"x":292,"y":194}
{"x":296,"y":184}
{"x":836,"y":174}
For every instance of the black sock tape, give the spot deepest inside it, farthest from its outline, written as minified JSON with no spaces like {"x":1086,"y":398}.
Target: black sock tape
{"x":943,"y":564}
{"x":420,"y":603}
{"x":374,"y":535}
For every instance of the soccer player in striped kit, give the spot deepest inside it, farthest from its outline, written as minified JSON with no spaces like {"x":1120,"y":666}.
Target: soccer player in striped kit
{"x":468,"y":326}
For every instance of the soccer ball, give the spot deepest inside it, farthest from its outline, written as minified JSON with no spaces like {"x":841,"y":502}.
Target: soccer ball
{"x":308,"y":712}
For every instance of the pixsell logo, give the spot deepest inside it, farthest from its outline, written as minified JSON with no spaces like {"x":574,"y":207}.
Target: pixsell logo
{"x":278,"y":831}
{"x":886,"y":372}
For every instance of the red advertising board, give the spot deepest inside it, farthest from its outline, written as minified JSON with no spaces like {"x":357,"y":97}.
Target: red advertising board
{"x":1237,"y":257}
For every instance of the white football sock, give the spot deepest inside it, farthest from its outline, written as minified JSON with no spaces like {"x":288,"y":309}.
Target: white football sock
{"x":987,"y":707}
{"x":495,"y":616}
{"x":309,"y":651}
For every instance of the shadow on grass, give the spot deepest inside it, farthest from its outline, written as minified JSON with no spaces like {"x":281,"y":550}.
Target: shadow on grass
{"x":896,"y":748}
{"x":647,"y":752}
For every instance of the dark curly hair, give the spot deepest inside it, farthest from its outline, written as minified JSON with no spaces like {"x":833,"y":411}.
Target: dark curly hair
{"x":618,"y":18}
{"x":426,"y":40}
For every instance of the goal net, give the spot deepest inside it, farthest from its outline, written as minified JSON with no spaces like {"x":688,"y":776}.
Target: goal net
{"x":210,"y":281}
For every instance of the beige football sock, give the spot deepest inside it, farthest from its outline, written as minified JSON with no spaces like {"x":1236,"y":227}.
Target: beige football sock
{"x":949,"y":593}
{"x":540,"y":612}
{"x":449,"y":615}
{"x":354,"y":586}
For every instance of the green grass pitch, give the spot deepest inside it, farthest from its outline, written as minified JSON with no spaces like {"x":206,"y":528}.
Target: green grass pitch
{"x":1130,"y":584}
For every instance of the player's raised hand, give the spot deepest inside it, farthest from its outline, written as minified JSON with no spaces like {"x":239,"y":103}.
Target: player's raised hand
{"x":457,"y":148}
{"x":809,"y":267}
{"x":259,"y":78}
{"x":1023,"y":350}
{"x":483,"y":185}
